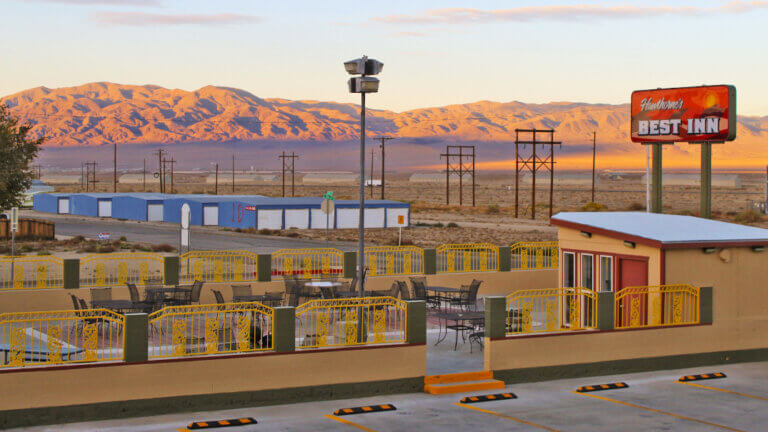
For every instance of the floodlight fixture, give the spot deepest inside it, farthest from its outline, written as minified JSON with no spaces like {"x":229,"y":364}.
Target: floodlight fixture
{"x":363,"y":66}
{"x":363,"y":85}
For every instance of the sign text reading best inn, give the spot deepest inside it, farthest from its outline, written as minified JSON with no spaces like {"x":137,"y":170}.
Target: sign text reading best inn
{"x":692,"y":114}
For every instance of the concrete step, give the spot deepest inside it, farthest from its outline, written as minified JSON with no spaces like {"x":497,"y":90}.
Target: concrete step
{"x":458,"y":377}
{"x":463,"y":387}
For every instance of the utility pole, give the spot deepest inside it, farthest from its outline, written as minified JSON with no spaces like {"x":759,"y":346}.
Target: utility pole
{"x":383,"y":140}
{"x":233,"y":173}
{"x":114,"y":167}
{"x":216,"y":187}
{"x":144,"y":176}
{"x":82,"y":175}
{"x":594,"y":153}
{"x":160,"y":170}
{"x":371,"y":185}
{"x":289,"y":166}
{"x":171,"y":161}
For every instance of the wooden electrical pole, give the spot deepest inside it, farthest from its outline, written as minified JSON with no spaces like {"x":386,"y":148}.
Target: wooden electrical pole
{"x":144,"y":176}
{"x":160,"y":173}
{"x":371,"y":185}
{"x":383,"y":140}
{"x":594,"y":153}
{"x":216,"y":187}
{"x":233,"y":173}
{"x":114,"y":167}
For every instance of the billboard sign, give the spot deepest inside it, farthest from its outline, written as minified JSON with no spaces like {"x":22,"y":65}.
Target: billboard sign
{"x":692,"y":114}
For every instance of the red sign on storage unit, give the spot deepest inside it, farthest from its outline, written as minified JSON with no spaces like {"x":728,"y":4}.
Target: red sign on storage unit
{"x":692,"y":114}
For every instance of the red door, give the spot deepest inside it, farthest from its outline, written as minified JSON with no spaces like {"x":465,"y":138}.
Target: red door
{"x":632,"y":272}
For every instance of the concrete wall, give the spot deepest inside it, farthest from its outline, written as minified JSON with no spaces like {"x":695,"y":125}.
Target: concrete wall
{"x":53,"y":387}
{"x":718,"y":180}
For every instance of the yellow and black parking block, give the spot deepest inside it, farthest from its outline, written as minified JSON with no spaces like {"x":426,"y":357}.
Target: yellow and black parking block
{"x":702,"y":377}
{"x":364,"y":409}
{"x":488,"y":398}
{"x":598,"y":387}
{"x":222,"y":423}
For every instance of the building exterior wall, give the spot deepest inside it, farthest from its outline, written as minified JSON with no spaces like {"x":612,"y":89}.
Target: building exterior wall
{"x":572,"y":240}
{"x":83,"y":205}
{"x":47,"y":203}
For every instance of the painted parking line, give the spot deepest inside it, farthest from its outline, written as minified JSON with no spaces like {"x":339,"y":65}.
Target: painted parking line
{"x":723,"y":390}
{"x":349,"y":423}
{"x":630,"y":404}
{"x":519,"y":420}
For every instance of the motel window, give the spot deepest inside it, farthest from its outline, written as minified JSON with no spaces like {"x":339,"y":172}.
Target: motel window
{"x":606,"y":273}
{"x":569,"y":269}
{"x":587,"y":271}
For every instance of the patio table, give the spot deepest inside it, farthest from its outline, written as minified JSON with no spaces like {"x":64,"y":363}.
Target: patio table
{"x":116,"y":305}
{"x":460,"y":320}
{"x":442,"y":293}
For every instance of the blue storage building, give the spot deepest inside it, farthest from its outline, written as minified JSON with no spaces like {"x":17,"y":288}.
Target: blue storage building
{"x":139,"y":206}
{"x":204,"y":209}
{"x":51,"y":203}
{"x":92,"y":204}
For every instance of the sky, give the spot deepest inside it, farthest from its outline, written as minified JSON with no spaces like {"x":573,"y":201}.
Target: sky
{"x":435,"y":53}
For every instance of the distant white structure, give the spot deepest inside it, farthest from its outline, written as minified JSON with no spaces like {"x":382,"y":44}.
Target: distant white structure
{"x":435,"y":177}
{"x":718,"y":180}
{"x":330,"y":178}
{"x":138,"y":179}
{"x":573,"y":179}
{"x":61,"y":179}
{"x":226,"y":178}
{"x":374,"y":182}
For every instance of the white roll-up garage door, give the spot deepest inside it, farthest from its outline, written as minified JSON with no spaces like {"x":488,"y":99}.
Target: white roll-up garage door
{"x":297,"y":218}
{"x":211,"y":215}
{"x":374,"y":218}
{"x":63,"y":205}
{"x":269,"y":219}
{"x":319,"y":219}
{"x":155,"y":212}
{"x":348,"y":217}
{"x":393,"y":214}
{"x":105,"y":208}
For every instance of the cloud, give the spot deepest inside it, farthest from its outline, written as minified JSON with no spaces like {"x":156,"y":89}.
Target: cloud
{"x":153,"y":19}
{"x":409,"y":33}
{"x":104,"y":2}
{"x":549,"y":13}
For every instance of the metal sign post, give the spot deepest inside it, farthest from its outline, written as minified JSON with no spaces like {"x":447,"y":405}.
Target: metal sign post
{"x":14,"y":228}
{"x":328,"y":206}
{"x":184,"y":237}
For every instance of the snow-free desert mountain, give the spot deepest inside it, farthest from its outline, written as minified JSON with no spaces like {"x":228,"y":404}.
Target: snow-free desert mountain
{"x":105,"y":113}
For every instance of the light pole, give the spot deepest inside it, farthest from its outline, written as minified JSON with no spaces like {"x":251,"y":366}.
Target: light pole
{"x":362,"y":84}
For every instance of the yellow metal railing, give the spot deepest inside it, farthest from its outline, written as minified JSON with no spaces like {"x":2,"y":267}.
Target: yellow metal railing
{"x":61,"y":337}
{"x":347,"y":322}
{"x":468,"y":257}
{"x":307,"y":263}
{"x":394,"y":260}
{"x":219,"y":266}
{"x":551,"y":310}
{"x":179,"y":331}
{"x":120,"y":268}
{"x":31,"y":272}
{"x":534,"y":255}
{"x":652,"y":306}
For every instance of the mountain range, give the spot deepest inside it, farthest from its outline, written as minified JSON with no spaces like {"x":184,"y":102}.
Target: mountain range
{"x":104,"y":113}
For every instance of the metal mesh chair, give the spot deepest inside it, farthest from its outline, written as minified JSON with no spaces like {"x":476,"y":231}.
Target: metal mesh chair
{"x":240,"y":291}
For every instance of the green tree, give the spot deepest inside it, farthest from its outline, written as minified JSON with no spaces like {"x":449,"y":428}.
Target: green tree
{"x":17,"y":151}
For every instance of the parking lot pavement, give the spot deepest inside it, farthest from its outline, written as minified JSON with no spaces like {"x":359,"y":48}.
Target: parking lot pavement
{"x":654,"y":401}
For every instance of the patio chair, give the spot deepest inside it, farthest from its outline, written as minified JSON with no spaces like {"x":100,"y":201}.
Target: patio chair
{"x":138,"y":304}
{"x":326,"y":292}
{"x":219,"y":297}
{"x":273,"y":298}
{"x":194,"y":295}
{"x":291,"y":294}
{"x":394,"y":290}
{"x":241,"y":291}
{"x":467,"y":299}
{"x":405,"y":293}
{"x":101,"y":294}
{"x":419,"y":286}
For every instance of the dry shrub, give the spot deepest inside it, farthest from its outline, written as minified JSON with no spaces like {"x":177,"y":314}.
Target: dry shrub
{"x":163,"y":248}
{"x":636,"y":206}
{"x":593,"y":207}
{"x":493,"y":209}
{"x":749,"y":217}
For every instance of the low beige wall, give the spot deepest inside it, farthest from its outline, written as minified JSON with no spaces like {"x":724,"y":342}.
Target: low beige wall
{"x":494,"y":283}
{"x":125,"y":382}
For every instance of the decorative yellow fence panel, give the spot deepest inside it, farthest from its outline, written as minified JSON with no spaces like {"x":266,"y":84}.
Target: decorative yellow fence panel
{"x":551,"y":310}
{"x":180,"y":331}
{"x":347,"y":322}
{"x":660,"y":305}
{"x":219,"y":266}
{"x":468,"y":257}
{"x":61,"y":337}
{"x":120,"y":268}
{"x":394,"y":260}
{"x":307,"y":263}
{"x":31,"y":272}
{"x":534,"y":255}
